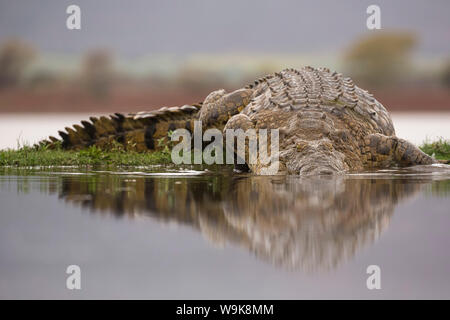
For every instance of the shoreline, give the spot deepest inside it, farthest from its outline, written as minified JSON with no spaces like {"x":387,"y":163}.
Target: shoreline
{"x":404,"y":99}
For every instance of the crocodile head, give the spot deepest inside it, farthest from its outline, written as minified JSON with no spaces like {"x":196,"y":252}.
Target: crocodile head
{"x":305,"y":158}
{"x":307,"y":143}
{"x":312,"y":157}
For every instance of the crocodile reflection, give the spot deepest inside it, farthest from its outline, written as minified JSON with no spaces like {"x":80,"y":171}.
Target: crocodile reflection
{"x":296,"y":223}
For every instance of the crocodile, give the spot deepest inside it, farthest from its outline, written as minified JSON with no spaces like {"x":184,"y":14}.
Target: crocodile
{"x":327,"y":124}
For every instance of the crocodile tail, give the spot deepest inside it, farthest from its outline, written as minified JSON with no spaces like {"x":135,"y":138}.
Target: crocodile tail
{"x":140,"y":131}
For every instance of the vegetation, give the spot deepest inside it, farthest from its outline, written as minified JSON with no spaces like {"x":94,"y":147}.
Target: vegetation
{"x":440,"y":149}
{"x":15,"y":57}
{"x":97,"y":72}
{"x":381,"y":58}
{"x":446,"y":75}
{"x":42,"y":156}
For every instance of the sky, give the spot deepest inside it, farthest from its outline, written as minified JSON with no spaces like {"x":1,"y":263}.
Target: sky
{"x":143,"y":27}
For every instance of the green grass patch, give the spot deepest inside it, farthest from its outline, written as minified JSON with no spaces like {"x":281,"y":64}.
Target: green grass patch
{"x":41,"y":156}
{"x":439,"y":149}
{"x":27,"y":156}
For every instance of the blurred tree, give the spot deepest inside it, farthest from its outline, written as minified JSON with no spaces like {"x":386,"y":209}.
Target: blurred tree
{"x":42,"y":79}
{"x":446,"y":74}
{"x":381,"y":58}
{"x":199,"y":80}
{"x":15,"y":56}
{"x":97,"y":72}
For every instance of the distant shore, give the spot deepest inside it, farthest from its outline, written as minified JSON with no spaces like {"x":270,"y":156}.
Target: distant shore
{"x":141,"y":98}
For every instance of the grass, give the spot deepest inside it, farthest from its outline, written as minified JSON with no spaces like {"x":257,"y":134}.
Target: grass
{"x":27,"y":156}
{"x":439,"y":149}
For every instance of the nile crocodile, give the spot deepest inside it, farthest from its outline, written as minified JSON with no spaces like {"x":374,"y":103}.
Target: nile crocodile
{"x":327,"y":124}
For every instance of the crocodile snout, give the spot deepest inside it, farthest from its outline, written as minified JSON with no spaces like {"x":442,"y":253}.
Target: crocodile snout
{"x":314,"y":170}
{"x":317,"y":157}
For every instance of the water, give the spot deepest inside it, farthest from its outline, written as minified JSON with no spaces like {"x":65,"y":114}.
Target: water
{"x":211,"y":234}
{"x":208,"y":234}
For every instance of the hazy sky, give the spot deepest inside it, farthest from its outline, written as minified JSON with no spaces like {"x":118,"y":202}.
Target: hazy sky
{"x":139,"y":27}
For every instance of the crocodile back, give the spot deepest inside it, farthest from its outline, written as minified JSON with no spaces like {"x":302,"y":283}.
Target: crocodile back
{"x":318,"y":89}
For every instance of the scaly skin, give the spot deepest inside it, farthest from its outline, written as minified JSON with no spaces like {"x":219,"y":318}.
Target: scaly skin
{"x":140,"y":131}
{"x":327,"y":124}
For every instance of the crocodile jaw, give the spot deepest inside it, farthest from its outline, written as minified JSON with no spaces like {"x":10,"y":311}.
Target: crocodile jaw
{"x":317,"y":157}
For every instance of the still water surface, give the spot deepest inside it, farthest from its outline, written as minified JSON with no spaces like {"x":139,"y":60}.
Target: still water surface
{"x":209,"y":234}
